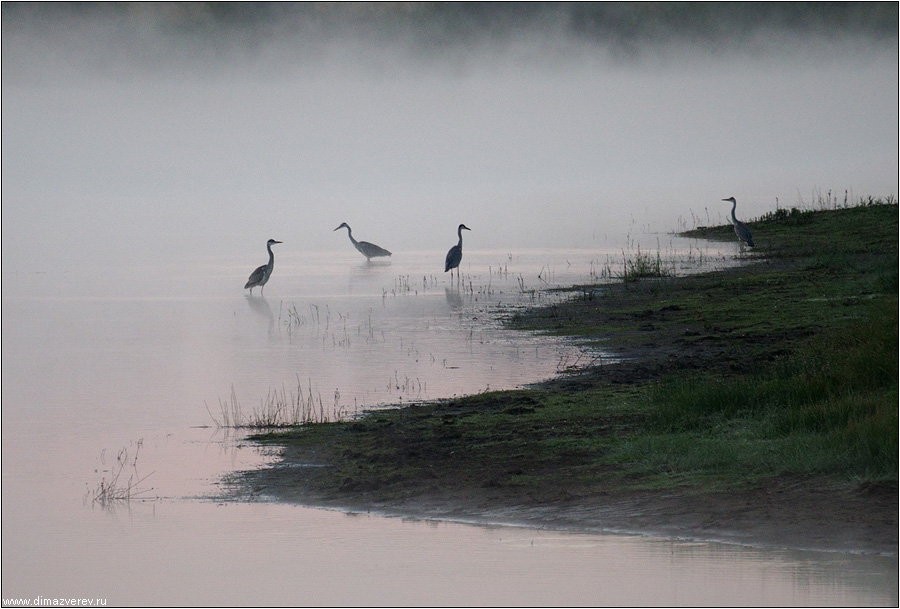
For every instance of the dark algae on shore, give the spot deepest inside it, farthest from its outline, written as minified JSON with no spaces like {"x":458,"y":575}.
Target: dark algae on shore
{"x":756,"y":404}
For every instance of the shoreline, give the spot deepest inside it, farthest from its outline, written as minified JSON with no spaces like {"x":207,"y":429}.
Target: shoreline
{"x":797,"y":516}
{"x":544,"y":457}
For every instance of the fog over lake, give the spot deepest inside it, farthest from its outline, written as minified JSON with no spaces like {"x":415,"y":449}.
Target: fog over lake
{"x":152,"y":135}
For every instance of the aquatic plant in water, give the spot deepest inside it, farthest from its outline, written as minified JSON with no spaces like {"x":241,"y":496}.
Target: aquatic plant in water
{"x":116,"y":489}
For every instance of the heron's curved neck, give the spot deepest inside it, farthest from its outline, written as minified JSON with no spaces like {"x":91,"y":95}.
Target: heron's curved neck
{"x":271,"y":255}
{"x":733,"y":206}
{"x":350,"y":234}
{"x":459,"y":232}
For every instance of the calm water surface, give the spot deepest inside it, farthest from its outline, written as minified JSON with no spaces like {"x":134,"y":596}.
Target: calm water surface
{"x":128,"y":372}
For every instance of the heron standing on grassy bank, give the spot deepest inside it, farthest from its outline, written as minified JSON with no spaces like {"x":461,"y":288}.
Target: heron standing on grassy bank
{"x":740,"y":229}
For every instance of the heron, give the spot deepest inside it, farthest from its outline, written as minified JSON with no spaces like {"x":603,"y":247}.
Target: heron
{"x":261,"y":275}
{"x":454,"y":256}
{"x":369,"y":250}
{"x":740,"y":229}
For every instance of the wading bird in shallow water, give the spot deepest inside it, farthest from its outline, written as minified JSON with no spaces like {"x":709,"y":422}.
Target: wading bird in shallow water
{"x":369,"y":250}
{"x":454,"y":256}
{"x":740,"y":229}
{"x":261,"y":275}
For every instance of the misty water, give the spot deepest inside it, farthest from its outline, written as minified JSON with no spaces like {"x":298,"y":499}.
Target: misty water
{"x":141,"y":181}
{"x":123,"y":382}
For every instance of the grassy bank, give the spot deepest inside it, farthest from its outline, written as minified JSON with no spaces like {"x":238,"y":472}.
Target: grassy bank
{"x":785,"y":368}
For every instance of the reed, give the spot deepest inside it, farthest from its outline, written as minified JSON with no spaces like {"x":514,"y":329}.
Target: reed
{"x":600,"y":272}
{"x":280,"y":408}
{"x":642,"y":265}
{"x":117,"y":489}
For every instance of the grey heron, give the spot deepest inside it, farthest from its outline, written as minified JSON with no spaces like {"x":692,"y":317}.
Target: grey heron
{"x":261,"y":275}
{"x":454,"y":256}
{"x":740,"y":229}
{"x":369,"y":250}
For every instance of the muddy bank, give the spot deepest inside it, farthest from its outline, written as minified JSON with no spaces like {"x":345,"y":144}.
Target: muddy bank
{"x":808,"y":514}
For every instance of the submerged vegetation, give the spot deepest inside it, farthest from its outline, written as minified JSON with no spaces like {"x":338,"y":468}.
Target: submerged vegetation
{"x":785,"y":368}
